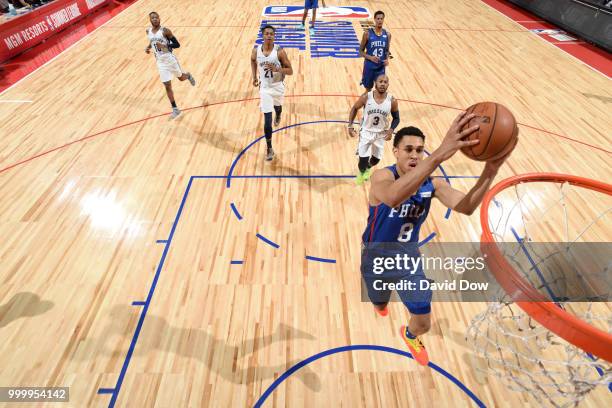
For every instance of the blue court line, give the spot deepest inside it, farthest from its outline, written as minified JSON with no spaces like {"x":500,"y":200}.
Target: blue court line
{"x":426,"y":240}
{"x":145,"y":309}
{"x":161,"y":241}
{"x":521,"y":243}
{"x":447,"y":178}
{"x":235,"y":210}
{"x":115,"y":391}
{"x":551,"y":294}
{"x":314,"y":258}
{"x":236,"y":262}
{"x":267,"y":241}
{"x":231,"y":170}
{"x":106,"y":391}
{"x":336,"y":350}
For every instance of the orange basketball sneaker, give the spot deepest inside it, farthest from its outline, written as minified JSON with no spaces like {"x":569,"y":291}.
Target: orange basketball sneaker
{"x":417,"y":349}
{"x":382,"y":312}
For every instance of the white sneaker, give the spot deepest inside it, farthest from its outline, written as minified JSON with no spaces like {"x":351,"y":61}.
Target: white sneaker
{"x":191,"y":80}
{"x":270,"y":154}
{"x":175,"y":113}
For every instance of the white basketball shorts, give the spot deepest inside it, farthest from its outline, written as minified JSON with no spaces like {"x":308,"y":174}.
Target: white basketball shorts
{"x":168,"y":67}
{"x":371,"y":144}
{"x":271,"y":96}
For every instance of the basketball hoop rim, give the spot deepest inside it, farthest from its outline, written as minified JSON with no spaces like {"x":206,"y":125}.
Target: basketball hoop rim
{"x":545,"y":312}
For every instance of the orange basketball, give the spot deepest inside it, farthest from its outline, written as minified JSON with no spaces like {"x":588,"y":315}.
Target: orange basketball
{"x":497,"y":132}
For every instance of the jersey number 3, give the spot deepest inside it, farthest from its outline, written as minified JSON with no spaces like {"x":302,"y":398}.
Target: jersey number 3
{"x":405,"y":232}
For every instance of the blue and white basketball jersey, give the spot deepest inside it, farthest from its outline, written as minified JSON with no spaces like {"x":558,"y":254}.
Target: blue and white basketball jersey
{"x":378,"y":46}
{"x":403,"y":223}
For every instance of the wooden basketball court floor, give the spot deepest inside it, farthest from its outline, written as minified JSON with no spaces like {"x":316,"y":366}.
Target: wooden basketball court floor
{"x":122,"y":234}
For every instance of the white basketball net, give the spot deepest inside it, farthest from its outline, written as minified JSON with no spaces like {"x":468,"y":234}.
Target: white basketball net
{"x":525,"y":355}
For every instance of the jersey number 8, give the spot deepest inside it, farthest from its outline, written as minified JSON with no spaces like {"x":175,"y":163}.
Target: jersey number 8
{"x":405,"y":232}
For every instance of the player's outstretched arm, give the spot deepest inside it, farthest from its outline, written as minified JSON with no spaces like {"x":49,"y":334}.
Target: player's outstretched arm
{"x":362,"y":48}
{"x":173,"y":41}
{"x":388,"y":53}
{"x":254,"y":67}
{"x":468,"y":203}
{"x":398,"y":191}
{"x":392,"y":192}
{"x":148,"y":48}
{"x":286,"y":69}
{"x":396,"y":118}
{"x":363,"y":99}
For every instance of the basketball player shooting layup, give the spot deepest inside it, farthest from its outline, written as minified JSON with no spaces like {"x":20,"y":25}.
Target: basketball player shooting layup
{"x":269,"y":65}
{"x":162,"y":41}
{"x":374,"y":48}
{"x":400,"y":196}
{"x":377,"y":105}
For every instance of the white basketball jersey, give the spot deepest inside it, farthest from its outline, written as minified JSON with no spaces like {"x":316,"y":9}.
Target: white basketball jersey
{"x":375,"y":116}
{"x":267,"y":78}
{"x":155,"y":38}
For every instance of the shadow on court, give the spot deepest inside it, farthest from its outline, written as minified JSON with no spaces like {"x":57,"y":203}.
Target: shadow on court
{"x":23,"y":305}
{"x":235,"y":362}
